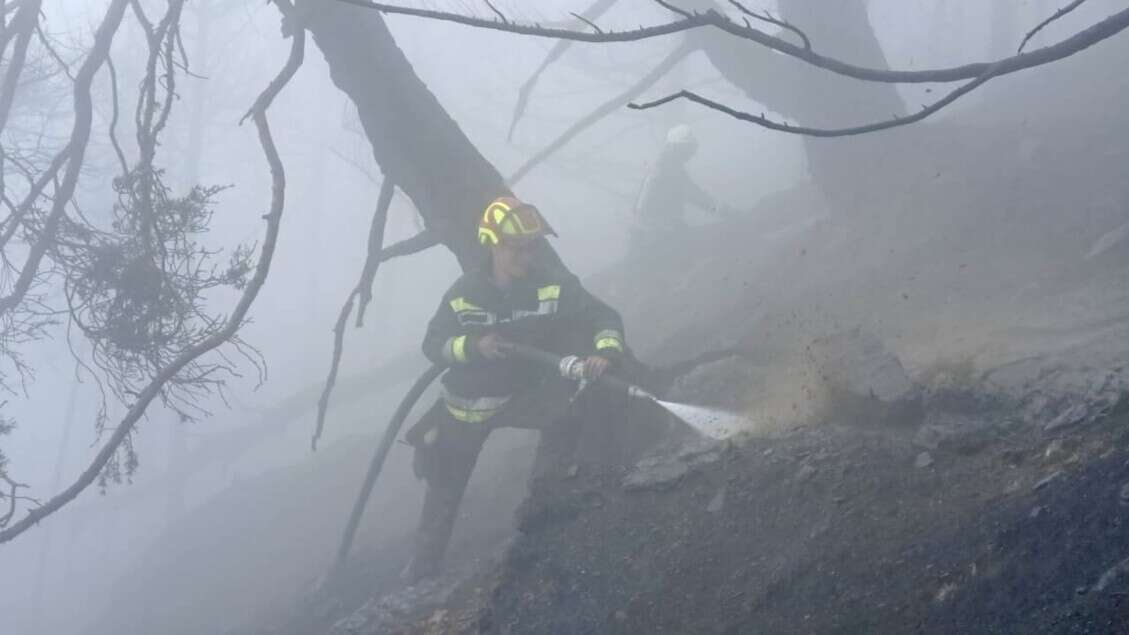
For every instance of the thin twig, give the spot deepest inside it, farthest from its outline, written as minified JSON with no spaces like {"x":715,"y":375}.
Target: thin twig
{"x":114,"y":113}
{"x":334,"y":366}
{"x":75,"y":152}
{"x":154,"y":389}
{"x":374,"y":254}
{"x":673,"y":9}
{"x":586,"y":21}
{"x":501,"y":16}
{"x":1081,"y":40}
{"x":1058,"y":14}
{"x":769,"y":18}
{"x":765,"y":122}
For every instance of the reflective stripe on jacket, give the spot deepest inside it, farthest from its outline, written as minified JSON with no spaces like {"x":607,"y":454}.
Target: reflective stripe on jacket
{"x":547,"y":310}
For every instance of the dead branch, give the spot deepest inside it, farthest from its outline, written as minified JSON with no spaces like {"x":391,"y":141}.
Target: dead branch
{"x":1042,"y":25}
{"x":231,"y":326}
{"x":114,"y":114}
{"x":585,"y":20}
{"x":334,"y":366}
{"x":501,"y":16}
{"x":673,"y":9}
{"x":604,"y":109}
{"x":765,"y":122}
{"x":1081,"y":40}
{"x":363,"y":290}
{"x":22,"y":27}
{"x":375,"y":245}
{"x":75,"y":153}
{"x":13,"y":498}
{"x":769,"y":18}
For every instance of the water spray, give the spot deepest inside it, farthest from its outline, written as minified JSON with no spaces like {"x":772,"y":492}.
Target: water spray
{"x":713,"y":423}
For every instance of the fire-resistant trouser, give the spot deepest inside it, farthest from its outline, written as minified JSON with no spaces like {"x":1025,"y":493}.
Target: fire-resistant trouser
{"x":447,"y":449}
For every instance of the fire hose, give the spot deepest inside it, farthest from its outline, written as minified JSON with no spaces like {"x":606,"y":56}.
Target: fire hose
{"x":569,"y":366}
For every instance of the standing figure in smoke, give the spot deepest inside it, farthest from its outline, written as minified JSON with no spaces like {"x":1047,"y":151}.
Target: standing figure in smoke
{"x":660,"y":208}
{"x":513,"y":299}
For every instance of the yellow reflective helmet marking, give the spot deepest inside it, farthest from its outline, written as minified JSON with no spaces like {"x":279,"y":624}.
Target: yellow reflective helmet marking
{"x":507,"y":216}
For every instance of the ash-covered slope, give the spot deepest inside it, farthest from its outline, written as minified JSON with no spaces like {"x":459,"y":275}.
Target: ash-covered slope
{"x":990,"y":495}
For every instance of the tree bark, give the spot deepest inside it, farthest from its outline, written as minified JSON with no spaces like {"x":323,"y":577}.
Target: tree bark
{"x":414,"y":141}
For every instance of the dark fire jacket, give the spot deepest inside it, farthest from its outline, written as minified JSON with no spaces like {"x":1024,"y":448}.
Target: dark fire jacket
{"x":548,"y":309}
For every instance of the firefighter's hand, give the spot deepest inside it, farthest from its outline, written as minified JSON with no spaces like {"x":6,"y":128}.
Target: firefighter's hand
{"x":493,"y":346}
{"x":594,"y":366}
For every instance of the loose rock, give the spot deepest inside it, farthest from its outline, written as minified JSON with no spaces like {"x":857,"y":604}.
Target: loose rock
{"x":717,"y":503}
{"x":923,"y":460}
{"x":1112,"y":575}
{"x":1054,"y":476}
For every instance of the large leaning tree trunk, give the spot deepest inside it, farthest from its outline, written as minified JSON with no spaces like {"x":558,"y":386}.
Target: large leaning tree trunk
{"x":414,"y":141}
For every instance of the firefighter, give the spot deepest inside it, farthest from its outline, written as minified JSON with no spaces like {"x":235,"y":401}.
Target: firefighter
{"x":515,"y":298}
{"x":660,"y":207}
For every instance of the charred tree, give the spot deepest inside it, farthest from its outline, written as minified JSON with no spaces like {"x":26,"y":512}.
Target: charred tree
{"x":417,"y":145}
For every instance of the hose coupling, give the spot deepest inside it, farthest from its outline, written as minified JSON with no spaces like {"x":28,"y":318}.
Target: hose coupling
{"x":572,"y":367}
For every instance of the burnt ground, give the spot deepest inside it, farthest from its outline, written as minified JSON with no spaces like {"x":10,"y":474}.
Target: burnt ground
{"x":833,"y":528}
{"x":985,"y":256}
{"x":998,"y":508}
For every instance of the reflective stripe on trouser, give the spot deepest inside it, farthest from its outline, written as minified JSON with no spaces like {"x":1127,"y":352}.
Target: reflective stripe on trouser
{"x":456,"y":447}
{"x":477,"y":410}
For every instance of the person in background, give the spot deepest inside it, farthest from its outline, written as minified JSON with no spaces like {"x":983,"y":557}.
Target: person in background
{"x":667,"y":191}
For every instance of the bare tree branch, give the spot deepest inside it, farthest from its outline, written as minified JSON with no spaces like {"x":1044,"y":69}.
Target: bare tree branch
{"x":1081,"y":40}
{"x":114,"y":114}
{"x":501,"y":16}
{"x":1042,"y":25}
{"x":13,"y":498}
{"x":765,"y":122}
{"x":334,"y":366}
{"x":769,"y":18}
{"x":363,"y":290}
{"x":613,"y":104}
{"x":76,"y":151}
{"x":23,"y":26}
{"x":231,"y":326}
{"x":585,"y":20}
{"x":375,"y":245}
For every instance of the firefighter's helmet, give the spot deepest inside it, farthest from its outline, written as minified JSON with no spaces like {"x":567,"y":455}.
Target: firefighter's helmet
{"x":507,"y":216}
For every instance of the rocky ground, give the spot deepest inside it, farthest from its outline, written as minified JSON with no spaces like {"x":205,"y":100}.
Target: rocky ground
{"x":964,"y":516}
{"x":936,"y":369}
{"x":937,"y":382}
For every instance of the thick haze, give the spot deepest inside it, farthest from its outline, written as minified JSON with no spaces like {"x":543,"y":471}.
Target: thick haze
{"x":58,"y":577}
